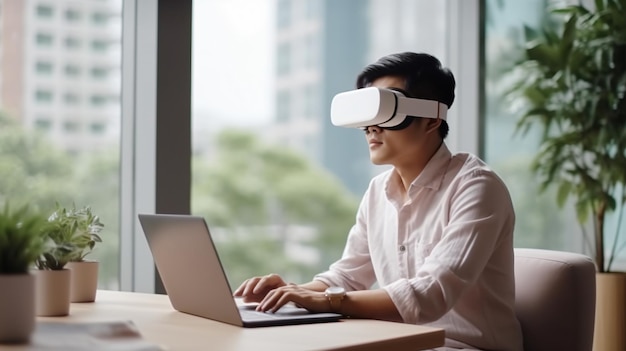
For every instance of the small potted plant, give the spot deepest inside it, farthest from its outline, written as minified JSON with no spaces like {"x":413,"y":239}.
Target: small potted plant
{"x":53,"y":277}
{"x":87,"y":228}
{"x":21,"y":243}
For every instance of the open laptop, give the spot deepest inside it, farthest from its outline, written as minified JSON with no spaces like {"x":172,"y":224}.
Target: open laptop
{"x":195,"y":281}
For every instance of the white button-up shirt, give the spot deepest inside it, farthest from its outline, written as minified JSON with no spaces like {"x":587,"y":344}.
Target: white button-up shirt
{"x":445,"y":255}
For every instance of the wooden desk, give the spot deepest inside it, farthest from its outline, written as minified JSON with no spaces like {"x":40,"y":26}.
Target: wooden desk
{"x":159,"y":323}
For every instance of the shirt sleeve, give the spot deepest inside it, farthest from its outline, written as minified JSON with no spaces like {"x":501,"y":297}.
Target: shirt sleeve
{"x":354,"y":270}
{"x":481,"y":217}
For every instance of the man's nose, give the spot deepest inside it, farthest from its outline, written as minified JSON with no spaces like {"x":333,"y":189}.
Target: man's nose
{"x":374,"y":129}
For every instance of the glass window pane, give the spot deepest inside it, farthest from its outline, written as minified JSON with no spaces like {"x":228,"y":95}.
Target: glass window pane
{"x":72,"y":42}
{"x":540,"y":223}
{"x":99,"y":18}
{"x":44,"y":11}
{"x":43,"y":39}
{"x":72,"y":15}
{"x":72,"y":70}
{"x":43,"y":124}
{"x":277,"y":184}
{"x":72,"y":153}
{"x":99,"y":45}
{"x":44,"y":68}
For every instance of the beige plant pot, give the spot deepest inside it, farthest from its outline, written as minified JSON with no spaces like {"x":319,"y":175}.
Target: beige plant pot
{"x":17,"y":307}
{"x":84,"y":281}
{"x":610,"y":322}
{"x":52,"y":292}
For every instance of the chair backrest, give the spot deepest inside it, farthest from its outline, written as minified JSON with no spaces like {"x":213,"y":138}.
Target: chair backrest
{"x":555,"y":299}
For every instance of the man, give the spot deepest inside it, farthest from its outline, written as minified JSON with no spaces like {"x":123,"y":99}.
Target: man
{"x":435,"y":232}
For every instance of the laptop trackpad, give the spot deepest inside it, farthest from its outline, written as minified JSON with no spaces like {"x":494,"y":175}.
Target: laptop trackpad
{"x":285,"y":311}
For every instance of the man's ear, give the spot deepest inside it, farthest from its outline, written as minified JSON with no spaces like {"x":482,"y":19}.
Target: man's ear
{"x":432,"y":124}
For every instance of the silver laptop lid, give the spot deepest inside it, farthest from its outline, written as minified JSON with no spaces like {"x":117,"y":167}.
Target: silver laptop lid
{"x":189,"y":266}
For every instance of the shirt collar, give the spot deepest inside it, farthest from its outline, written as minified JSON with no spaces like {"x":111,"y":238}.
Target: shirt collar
{"x":432,"y":175}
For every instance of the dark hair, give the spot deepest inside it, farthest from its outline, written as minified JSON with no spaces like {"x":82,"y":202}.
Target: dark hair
{"x":424,"y":75}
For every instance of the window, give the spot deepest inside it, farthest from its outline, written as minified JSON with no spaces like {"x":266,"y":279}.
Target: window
{"x":98,"y":100}
{"x":72,"y":15}
{"x":99,"y":45}
{"x":311,"y":103}
{"x":283,"y":106}
{"x":44,"y":96}
{"x":283,"y":60}
{"x":312,"y":9}
{"x":543,"y":224}
{"x":43,"y":124}
{"x":284,"y":13}
{"x":71,"y":98}
{"x":59,"y":135}
{"x":43,"y":68}
{"x":44,"y":11}
{"x":99,"y":18}
{"x":99,"y":72}
{"x":97,"y":128}
{"x":310,"y":52}
{"x":71,"y":127}
{"x":72,"y":70}
{"x":43,"y":39}
{"x":72,"y":42}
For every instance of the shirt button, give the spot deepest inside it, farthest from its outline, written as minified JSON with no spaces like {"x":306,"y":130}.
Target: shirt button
{"x":402,"y":248}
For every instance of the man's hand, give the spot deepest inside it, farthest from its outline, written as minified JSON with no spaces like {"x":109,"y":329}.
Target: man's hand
{"x":255,"y":289}
{"x":313,"y":301}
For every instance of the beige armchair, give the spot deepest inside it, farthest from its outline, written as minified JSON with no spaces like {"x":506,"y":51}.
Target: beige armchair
{"x":555,"y":299}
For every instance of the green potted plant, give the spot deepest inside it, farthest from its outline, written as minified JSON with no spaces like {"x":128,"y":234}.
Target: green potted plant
{"x":21,"y":243}
{"x":572,"y":81}
{"x":53,"y":278}
{"x":87,"y":229}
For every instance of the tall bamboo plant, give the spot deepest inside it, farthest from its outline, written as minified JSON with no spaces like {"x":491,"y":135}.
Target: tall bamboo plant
{"x":572,"y":80}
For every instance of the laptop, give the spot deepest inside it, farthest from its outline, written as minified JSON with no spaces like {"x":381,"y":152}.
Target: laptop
{"x":194,"y":279}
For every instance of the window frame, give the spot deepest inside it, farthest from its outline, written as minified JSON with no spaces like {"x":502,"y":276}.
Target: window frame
{"x":155,"y":151}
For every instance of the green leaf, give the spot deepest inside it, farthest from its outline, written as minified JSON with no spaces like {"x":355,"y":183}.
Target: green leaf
{"x":21,"y":241}
{"x":582,"y":211}
{"x":563,"y":193}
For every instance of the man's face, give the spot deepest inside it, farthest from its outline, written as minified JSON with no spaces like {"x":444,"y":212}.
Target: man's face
{"x":397,"y":147}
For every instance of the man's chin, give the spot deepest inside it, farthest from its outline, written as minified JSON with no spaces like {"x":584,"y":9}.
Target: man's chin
{"x":376,"y":161}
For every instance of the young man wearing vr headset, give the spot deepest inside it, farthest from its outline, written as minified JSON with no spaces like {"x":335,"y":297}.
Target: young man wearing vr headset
{"x":435,"y":232}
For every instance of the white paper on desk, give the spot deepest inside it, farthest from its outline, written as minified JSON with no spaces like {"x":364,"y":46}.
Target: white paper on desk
{"x":114,"y":336}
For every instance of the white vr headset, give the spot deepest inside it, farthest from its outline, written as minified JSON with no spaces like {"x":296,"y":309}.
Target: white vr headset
{"x":385,"y":108}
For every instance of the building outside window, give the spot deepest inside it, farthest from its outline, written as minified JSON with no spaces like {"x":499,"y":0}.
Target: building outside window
{"x":64,"y":162}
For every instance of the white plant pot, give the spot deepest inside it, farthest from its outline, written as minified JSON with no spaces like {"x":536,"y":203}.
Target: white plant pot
{"x":84,"y":281}
{"x":52,"y":293}
{"x":17,"y":307}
